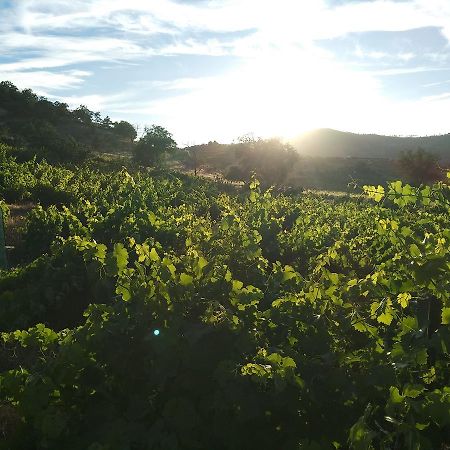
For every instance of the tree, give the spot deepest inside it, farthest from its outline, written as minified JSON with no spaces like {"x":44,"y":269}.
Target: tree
{"x":125,"y":129}
{"x":420,"y":166}
{"x":191,"y":160}
{"x":153,"y":146}
{"x":83,"y":114}
{"x":106,"y":123}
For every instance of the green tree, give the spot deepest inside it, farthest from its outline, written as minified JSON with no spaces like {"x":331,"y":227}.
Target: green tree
{"x":106,"y":123}
{"x":419,"y":166}
{"x":125,"y":129}
{"x":153,"y":146}
{"x":83,"y":114}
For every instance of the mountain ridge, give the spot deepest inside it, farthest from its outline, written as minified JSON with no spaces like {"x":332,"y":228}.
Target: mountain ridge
{"x":328,"y":142}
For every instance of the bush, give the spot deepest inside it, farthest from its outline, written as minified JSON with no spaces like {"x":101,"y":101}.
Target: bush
{"x":235,"y":173}
{"x":153,"y":146}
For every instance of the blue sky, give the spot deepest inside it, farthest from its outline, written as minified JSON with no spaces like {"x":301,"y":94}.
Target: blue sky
{"x":208,"y":69}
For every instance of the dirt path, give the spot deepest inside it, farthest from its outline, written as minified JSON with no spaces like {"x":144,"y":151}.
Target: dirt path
{"x":203,"y":172}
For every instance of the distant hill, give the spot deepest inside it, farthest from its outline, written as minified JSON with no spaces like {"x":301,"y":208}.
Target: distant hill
{"x":325,"y":159}
{"x":326,"y":142}
{"x":275,"y":162}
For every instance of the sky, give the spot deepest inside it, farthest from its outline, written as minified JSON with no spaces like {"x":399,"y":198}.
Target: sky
{"x":219,"y":69}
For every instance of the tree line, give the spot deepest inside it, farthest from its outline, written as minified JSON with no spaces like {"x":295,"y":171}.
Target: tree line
{"x":49,"y":130}
{"x":53,"y":131}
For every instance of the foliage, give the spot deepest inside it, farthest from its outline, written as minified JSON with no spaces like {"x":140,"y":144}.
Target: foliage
{"x":325,"y":159}
{"x":153,"y":145}
{"x":420,"y":166}
{"x":272,"y":160}
{"x":125,"y":129}
{"x":51,"y":131}
{"x":169,"y":314}
{"x":4,"y":209}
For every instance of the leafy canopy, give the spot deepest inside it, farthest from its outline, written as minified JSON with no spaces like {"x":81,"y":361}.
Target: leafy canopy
{"x":153,"y":145}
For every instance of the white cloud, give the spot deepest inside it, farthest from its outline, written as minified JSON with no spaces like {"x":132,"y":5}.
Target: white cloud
{"x":439,"y":83}
{"x":43,"y":81}
{"x":272,"y":25}
{"x":407,"y":70}
{"x":438,"y":97}
{"x":94,"y":102}
{"x":281,"y":20}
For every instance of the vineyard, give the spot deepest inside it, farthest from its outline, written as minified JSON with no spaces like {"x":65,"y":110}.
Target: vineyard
{"x":162,"y":311}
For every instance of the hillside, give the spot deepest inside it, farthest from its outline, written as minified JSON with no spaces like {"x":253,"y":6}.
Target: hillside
{"x":52,"y":131}
{"x":277,"y":163}
{"x":321,"y":159}
{"x":332,"y":143}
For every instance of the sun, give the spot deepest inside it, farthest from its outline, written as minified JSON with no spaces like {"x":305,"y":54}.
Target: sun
{"x":276,"y":97}
{"x":285,"y":94}
{"x":279,"y":94}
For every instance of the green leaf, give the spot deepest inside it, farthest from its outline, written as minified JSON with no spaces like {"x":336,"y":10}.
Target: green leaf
{"x":154,"y":255}
{"x":445,"y":316}
{"x":394,"y":225}
{"x":374,"y":309}
{"x":185,"y":279}
{"x":275,"y":358}
{"x":407,"y":190}
{"x":202,"y":263}
{"x":395,"y":396}
{"x":360,"y":326}
{"x":254,"y":184}
{"x":152,"y":217}
{"x":288,"y":362}
{"x":256,"y":369}
{"x":404,"y":299}
{"x":100,"y":252}
{"x":406,"y":231}
{"x":334,"y":278}
{"x":414,"y":251}
{"x":378,"y":193}
{"x":422,"y":357}
{"x":385,"y":318}
{"x":430,"y":376}
{"x":413,"y":390}
{"x":397,"y":186}
{"x":237,"y":285}
{"x":126,"y":295}
{"x":409,"y":324}
{"x":168,"y":263}
{"x":288,"y":273}
{"x":121,"y":255}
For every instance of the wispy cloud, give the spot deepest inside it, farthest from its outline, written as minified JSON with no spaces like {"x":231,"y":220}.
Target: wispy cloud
{"x":439,"y":97}
{"x":32,"y":24}
{"x":409,"y":70}
{"x":42,"y":81}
